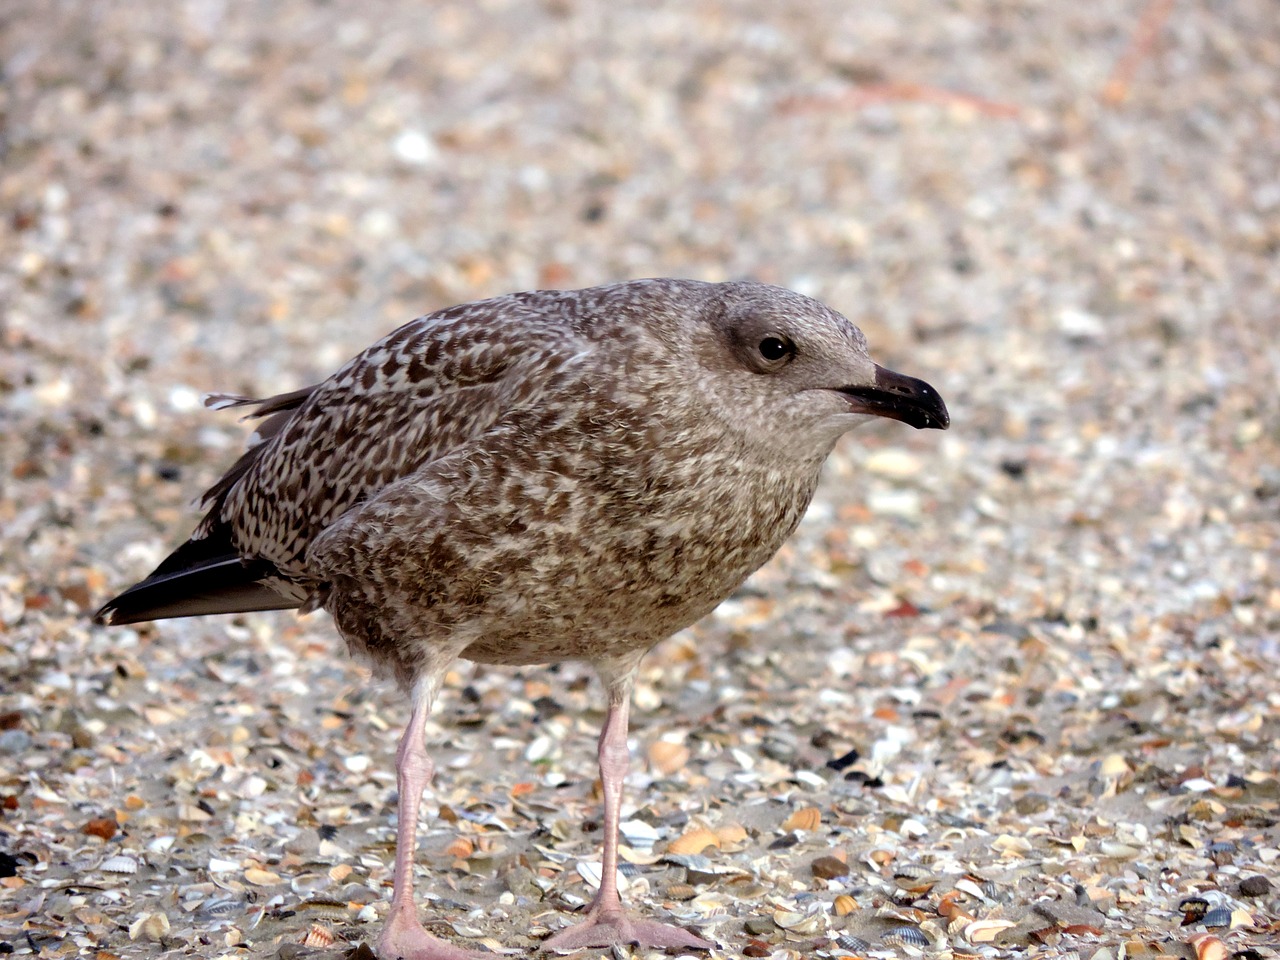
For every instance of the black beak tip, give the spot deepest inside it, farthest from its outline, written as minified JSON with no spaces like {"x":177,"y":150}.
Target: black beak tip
{"x":899,"y":397}
{"x":933,"y":413}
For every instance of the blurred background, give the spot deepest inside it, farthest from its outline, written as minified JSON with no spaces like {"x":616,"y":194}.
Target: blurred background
{"x":1056,"y":625}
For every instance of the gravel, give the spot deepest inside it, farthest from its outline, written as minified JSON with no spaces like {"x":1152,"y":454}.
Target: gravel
{"x":1020,"y":678}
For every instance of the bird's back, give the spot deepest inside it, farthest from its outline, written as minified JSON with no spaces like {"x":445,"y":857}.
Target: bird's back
{"x":425,"y":390}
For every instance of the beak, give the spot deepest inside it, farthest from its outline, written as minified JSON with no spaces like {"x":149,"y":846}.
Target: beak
{"x":900,"y":397}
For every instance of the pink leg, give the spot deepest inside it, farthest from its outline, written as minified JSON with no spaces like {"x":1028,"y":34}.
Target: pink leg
{"x":403,"y":936}
{"x":607,"y":924}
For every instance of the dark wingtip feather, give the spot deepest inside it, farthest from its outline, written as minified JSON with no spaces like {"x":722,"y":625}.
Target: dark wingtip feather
{"x":203,"y":576}
{"x":206,"y":575}
{"x":221,"y":586}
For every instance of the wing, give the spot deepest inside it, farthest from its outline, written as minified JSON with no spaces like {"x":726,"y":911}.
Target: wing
{"x":422,"y":392}
{"x":429,"y":389}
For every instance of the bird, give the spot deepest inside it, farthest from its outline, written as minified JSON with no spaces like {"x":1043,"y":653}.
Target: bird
{"x":543,"y":476}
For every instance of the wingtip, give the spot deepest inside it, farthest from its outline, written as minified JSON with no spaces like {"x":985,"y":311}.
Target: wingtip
{"x":225,"y":401}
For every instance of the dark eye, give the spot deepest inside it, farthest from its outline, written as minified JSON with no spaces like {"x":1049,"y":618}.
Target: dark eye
{"x":774,"y":349}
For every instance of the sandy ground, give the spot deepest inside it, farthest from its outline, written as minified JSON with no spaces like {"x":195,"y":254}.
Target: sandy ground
{"x":1017,"y":683}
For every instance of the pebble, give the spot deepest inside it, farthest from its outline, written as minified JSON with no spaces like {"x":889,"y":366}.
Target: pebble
{"x":1255,"y":886}
{"x":14,"y":742}
{"x":759,"y":926}
{"x":829,"y":868}
{"x":893,"y":462}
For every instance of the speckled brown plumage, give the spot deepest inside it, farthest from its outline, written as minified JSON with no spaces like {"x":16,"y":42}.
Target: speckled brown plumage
{"x":538,"y":477}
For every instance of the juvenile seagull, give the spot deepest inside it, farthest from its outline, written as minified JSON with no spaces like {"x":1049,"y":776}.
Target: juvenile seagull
{"x":558,"y":475}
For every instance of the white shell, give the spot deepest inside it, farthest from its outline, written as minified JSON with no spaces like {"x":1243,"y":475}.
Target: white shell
{"x":591,"y":872}
{"x":639,"y":834}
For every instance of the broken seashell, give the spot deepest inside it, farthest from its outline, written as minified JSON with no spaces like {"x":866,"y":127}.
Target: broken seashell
{"x":1208,"y":947}
{"x":986,"y":931}
{"x":305,"y":884}
{"x":694,"y":841}
{"x":879,"y":858}
{"x":222,"y":908}
{"x":906,"y":937}
{"x":149,"y":926}
{"x":1217,"y":917}
{"x":806,"y":818}
{"x":318,"y":936}
{"x":732,"y":833}
{"x":261,"y":878}
{"x":592,"y":871}
{"x":638,"y":833}
{"x":666,"y":757}
{"x":460,"y":848}
{"x":325,"y":909}
{"x":798,"y":922}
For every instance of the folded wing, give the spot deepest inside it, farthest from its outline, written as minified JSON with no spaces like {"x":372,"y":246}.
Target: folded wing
{"x":426,"y":389}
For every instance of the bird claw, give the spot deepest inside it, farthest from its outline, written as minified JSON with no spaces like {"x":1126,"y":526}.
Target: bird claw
{"x":404,"y":938}
{"x":608,"y":930}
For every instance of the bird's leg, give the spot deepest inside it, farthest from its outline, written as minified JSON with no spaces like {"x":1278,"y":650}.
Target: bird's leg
{"x":607,"y":923}
{"x":403,"y":936}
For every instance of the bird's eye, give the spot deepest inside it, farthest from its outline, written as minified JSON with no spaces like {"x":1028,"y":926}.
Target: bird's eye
{"x":774,"y":349}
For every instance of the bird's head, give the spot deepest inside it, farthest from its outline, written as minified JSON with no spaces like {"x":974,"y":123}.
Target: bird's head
{"x":780,"y":364}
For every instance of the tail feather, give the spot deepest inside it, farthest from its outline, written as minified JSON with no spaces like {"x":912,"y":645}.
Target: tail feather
{"x":206,"y":574}
{"x":227,"y":586}
{"x":203,"y":576}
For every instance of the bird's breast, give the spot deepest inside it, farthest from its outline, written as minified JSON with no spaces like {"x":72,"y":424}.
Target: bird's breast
{"x":557,"y":542}
{"x":632,"y":560}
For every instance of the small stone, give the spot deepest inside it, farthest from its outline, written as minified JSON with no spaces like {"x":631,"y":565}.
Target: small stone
{"x":759,"y":926}
{"x":104,"y":827}
{"x":415,"y":147}
{"x":1079,"y":324}
{"x":1255,"y":886}
{"x":779,"y":748}
{"x":829,"y":868}
{"x":14,"y":742}
{"x":893,"y":462}
{"x":844,"y":761}
{"x":1031,"y":803}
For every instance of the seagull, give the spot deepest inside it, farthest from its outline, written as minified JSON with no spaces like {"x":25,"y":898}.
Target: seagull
{"x":539,"y":477}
